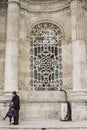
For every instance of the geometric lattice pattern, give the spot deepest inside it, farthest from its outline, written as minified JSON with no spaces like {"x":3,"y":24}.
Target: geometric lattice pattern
{"x":45,"y":57}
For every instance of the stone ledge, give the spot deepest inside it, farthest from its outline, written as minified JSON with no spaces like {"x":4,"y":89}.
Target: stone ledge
{"x":77,"y":96}
{"x":47,"y":124}
{"x":5,"y":98}
{"x":54,"y":96}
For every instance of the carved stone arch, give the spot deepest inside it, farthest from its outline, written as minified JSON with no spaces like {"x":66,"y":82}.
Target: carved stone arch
{"x":55,"y":22}
{"x":45,"y":51}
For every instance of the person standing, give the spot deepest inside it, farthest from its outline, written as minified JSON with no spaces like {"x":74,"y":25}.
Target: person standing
{"x":16,"y":101}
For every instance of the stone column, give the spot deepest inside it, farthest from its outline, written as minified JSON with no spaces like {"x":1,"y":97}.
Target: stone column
{"x":79,"y":94}
{"x":11,"y":56}
{"x":78,"y":45}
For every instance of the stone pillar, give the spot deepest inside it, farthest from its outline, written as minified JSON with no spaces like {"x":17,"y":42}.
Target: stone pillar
{"x":78,"y":46}
{"x":79,"y":94}
{"x":11,"y":56}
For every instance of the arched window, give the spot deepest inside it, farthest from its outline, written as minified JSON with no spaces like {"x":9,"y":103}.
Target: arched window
{"x":45,"y":57}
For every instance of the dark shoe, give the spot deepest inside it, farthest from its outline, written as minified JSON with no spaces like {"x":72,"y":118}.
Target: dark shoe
{"x":13,"y":123}
{"x":3,"y":118}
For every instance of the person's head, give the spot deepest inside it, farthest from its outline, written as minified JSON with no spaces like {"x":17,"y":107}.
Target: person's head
{"x":14,"y":93}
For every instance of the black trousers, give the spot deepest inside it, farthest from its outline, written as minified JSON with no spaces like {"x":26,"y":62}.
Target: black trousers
{"x":16,"y":118}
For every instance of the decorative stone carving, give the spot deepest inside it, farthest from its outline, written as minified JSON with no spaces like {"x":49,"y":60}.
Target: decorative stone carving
{"x":47,"y":6}
{"x":68,"y":86}
{"x":3,"y":12}
{"x":69,"y":40}
{"x":21,"y":46}
{"x":2,"y":49}
{"x":22,"y":14}
{"x":40,"y":6}
{"x":46,"y":59}
{"x":1,"y":84}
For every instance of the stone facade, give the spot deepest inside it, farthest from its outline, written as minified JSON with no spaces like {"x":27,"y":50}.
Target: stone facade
{"x":17,"y":20}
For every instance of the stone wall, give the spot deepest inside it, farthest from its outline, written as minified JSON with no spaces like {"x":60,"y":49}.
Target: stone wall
{"x":3,"y":15}
{"x":34,"y":16}
{"x":42,"y":104}
{"x":31,"y":14}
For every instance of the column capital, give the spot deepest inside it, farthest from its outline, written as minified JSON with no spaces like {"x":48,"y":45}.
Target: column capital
{"x":14,"y":1}
{"x":75,"y":0}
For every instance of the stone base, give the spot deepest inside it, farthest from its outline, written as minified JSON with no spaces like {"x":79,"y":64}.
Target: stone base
{"x":79,"y":106}
{"x":45,"y":125}
{"x":79,"y":111}
{"x":42,"y":111}
{"x":43,"y":105}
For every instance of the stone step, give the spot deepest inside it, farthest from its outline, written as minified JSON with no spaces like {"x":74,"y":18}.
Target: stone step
{"x":45,"y":125}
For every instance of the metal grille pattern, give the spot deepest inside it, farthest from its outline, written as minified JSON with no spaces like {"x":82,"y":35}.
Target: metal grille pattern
{"x":45,"y":57}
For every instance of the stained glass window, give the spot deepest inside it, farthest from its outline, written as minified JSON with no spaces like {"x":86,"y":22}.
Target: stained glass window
{"x":45,"y":57}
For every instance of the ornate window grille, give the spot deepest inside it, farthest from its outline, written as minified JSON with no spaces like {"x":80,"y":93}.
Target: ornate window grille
{"x":45,"y":57}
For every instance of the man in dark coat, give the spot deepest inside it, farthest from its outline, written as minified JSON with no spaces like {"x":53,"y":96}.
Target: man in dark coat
{"x":16,"y":101}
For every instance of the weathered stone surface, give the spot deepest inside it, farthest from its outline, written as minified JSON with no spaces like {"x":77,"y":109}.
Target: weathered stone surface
{"x":12,"y":38}
{"x":71,"y":18}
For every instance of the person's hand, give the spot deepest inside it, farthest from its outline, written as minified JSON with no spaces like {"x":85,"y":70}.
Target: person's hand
{"x":12,"y":109}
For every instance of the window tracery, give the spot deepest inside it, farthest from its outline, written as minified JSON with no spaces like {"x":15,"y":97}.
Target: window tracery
{"x":45,"y":57}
